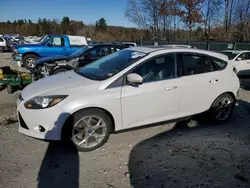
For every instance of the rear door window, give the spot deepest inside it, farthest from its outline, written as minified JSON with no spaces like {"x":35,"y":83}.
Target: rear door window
{"x":220,"y":64}
{"x":195,"y":64}
{"x":1,"y":39}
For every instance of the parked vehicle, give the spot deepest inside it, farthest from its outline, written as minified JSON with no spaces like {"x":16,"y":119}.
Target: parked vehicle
{"x":5,"y":45}
{"x":241,"y":60}
{"x":179,"y":46}
{"x":129,"y":44}
{"x":13,"y":80}
{"x":130,"y":88}
{"x":54,"y":64}
{"x":53,"y":45}
{"x":36,"y":40}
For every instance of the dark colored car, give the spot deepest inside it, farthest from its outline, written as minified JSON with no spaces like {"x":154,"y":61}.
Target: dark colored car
{"x":47,"y":66}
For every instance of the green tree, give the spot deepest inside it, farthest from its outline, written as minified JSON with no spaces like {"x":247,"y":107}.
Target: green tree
{"x":102,"y":24}
{"x":65,"y":24}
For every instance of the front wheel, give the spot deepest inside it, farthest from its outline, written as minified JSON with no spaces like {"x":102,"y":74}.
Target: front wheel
{"x":91,"y":128}
{"x":222,"y":108}
{"x":28,"y":61}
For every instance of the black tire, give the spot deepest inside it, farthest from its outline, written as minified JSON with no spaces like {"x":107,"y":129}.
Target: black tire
{"x":10,"y":89}
{"x":1,"y":50}
{"x":2,"y":87}
{"x":60,"y":70}
{"x":27,"y":59}
{"x":214,"y":110}
{"x":67,"y":132}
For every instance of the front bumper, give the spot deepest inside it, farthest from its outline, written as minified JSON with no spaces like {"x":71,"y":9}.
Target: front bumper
{"x":51,"y":120}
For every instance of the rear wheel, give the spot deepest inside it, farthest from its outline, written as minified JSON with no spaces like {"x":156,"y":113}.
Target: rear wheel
{"x":60,"y":70}
{"x":28,"y":60}
{"x":222,"y":108}
{"x":90,"y":129}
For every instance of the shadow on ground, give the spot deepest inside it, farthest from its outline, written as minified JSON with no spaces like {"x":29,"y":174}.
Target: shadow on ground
{"x":60,"y":165}
{"x":202,"y":156}
{"x":245,"y":83}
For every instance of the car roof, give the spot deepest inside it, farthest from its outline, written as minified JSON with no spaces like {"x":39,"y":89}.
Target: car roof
{"x":98,"y":45}
{"x":236,"y":51}
{"x":165,"y":49}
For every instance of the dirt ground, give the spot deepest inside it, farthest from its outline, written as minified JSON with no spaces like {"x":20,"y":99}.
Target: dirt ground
{"x":191,"y":154}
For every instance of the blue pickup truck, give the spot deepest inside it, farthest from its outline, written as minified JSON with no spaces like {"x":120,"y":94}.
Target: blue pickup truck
{"x":53,"y":45}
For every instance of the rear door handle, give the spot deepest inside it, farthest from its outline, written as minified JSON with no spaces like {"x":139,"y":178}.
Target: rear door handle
{"x":213,"y":81}
{"x":170,"y":88}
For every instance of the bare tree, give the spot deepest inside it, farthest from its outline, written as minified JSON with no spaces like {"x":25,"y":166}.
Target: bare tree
{"x":242,"y":17}
{"x":212,"y":15}
{"x":135,"y":14}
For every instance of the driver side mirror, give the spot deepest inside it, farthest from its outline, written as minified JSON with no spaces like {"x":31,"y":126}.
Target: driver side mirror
{"x":239,"y":59}
{"x":134,"y":79}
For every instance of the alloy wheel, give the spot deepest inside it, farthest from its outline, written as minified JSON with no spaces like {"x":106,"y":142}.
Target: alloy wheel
{"x":89,"y":131}
{"x":223,"y":108}
{"x":30,"y":61}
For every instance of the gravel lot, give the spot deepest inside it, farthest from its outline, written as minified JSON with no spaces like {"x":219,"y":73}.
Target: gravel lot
{"x":187,"y":154}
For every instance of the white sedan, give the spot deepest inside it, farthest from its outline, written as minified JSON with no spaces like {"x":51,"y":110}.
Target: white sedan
{"x":241,"y":61}
{"x":130,"y":88}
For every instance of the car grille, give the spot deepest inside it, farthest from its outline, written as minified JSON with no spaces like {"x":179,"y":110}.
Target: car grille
{"x":22,"y":123}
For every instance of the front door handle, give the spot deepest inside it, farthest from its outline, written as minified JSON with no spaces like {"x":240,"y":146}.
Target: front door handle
{"x":170,"y":88}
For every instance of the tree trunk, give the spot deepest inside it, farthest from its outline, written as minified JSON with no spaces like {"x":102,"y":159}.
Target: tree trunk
{"x":245,"y":23}
{"x":226,"y":18}
{"x":190,"y":34}
{"x":207,"y":16}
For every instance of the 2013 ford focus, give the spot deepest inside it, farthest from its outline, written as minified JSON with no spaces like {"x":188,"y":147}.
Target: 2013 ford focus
{"x":130,"y":88}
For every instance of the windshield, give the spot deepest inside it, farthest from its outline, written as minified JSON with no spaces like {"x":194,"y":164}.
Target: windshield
{"x":110,"y":65}
{"x":46,"y":40}
{"x":231,"y":55}
{"x":80,"y":51}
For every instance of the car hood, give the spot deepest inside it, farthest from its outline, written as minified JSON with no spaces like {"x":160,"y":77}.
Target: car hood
{"x":43,"y":60}
{"x":60,"y":84}
{"x":28,"y":45}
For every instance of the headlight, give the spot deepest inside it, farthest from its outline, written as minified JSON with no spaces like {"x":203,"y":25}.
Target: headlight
{"x":44,"y":101}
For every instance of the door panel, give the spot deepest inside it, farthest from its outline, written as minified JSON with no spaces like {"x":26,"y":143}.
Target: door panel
{"x":150,"y":102}
{"x":199,"y":92}
{"x":57,"y":47}
{"x":158,"y":98}
{"x":200,"y":83}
